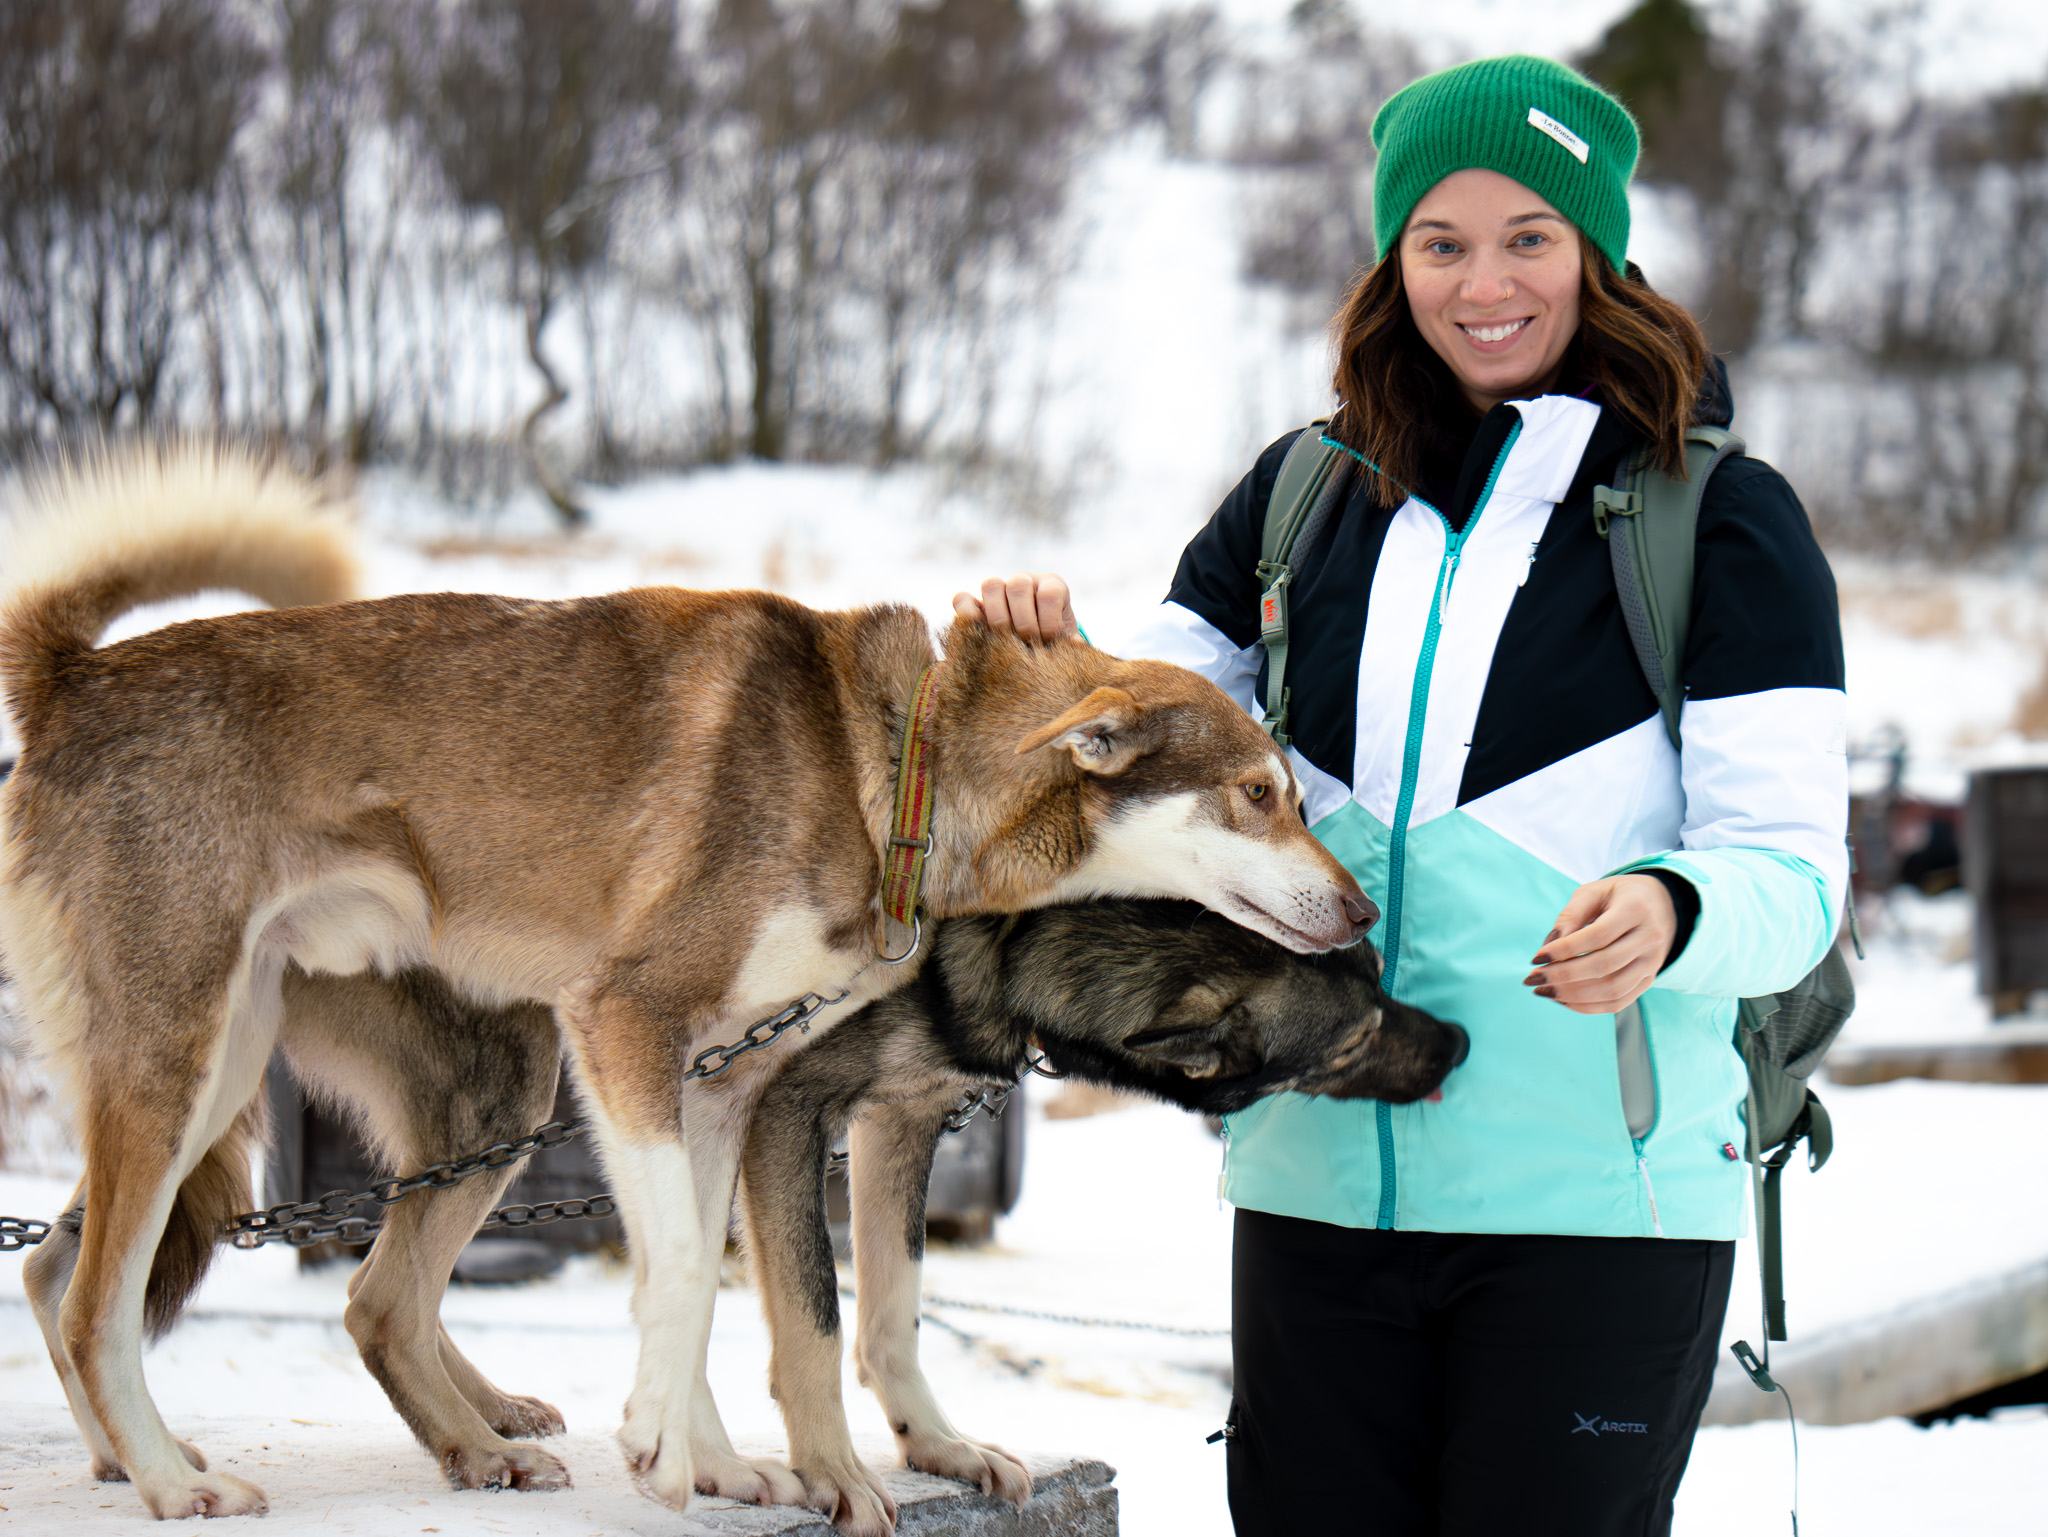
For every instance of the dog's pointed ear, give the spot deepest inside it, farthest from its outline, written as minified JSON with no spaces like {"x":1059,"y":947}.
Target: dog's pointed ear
{"x":1102,"y":732}
{"x":1191,"y":1048}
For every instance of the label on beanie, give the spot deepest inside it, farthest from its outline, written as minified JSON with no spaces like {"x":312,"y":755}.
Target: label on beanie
{"x":1544,"y":123}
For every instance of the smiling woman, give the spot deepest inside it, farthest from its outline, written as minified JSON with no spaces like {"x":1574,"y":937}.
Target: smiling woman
{"x":1429,"y":1298}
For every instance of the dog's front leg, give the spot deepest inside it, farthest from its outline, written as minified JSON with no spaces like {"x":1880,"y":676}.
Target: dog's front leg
{"x":626,"y":1065}
{"x":889,"y":1173}
{"x":789,"y":1250}
{"x":715,"y":1120}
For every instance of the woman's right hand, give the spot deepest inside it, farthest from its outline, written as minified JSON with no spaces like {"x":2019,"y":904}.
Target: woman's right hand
{"x":1032,"y":605}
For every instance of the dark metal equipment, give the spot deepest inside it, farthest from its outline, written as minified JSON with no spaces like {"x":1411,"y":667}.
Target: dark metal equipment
{"x":977,"y":1175}
{"x":2005,"y":862}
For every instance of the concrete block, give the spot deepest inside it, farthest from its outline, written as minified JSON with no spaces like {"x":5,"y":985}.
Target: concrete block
{"x":1070,"y":1497}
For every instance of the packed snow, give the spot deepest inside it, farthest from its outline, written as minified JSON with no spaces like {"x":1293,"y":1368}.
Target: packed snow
{"x":1119,"y":1221}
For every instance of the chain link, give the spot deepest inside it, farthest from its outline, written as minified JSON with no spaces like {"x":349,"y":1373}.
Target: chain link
{"x":1079,"y":1319}
{"x":21,"y":1233}
{"x":333,"y":1216}
{"x":959,"y":1118}
{"x":713,"y":1060}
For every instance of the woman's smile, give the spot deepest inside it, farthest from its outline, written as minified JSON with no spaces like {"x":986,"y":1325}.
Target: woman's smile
{"x":1493,"y":336}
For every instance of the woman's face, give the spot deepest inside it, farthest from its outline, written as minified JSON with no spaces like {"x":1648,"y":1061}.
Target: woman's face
{"x":1492,"y":277}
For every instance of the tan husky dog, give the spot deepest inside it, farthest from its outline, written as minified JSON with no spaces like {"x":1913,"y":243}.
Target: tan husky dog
{"x":664,"y":813}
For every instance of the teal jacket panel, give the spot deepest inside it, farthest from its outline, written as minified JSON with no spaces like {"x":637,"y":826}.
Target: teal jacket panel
{"x":1530,"y":1136}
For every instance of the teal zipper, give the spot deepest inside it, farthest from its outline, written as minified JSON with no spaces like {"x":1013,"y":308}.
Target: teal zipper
{"x":1411,"y":769}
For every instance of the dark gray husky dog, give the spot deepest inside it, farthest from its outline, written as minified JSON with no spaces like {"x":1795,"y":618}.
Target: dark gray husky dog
{"x":1160,"y":997}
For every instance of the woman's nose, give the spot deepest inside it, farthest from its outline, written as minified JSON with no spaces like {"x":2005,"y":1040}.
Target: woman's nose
{"x":1486,"y":284}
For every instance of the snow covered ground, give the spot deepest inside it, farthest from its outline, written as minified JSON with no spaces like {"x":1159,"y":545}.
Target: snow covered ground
{"x":1118,"y":1220}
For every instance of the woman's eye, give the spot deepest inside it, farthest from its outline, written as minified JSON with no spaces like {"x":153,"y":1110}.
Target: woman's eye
{"x":1442,"y":248}
{"x":1256,"y":792}
{"x":1528,"y":240}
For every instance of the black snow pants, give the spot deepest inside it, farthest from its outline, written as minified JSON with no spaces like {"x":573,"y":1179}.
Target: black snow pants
{"x":1465,"y":1385}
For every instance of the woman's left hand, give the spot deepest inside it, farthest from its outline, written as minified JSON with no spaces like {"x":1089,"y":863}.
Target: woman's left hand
{"x":1609,"y":944}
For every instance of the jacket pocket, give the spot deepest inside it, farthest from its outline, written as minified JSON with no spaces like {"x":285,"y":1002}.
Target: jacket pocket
{"x":1638,"y":1072}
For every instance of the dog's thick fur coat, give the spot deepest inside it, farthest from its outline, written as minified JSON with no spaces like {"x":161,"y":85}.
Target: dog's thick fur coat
{"x":661,"y":813}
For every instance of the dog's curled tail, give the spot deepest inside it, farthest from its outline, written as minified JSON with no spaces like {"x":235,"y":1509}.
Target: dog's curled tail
{"x":214,"y":1193}
{"x":114,"y":529}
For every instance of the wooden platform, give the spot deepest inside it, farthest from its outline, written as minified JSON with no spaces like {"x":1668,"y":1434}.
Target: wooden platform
{"x":2002,"y":1054}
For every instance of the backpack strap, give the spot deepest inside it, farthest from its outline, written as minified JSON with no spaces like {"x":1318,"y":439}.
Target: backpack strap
{"x":1653,"y":557}
{"x":1306,"y":492}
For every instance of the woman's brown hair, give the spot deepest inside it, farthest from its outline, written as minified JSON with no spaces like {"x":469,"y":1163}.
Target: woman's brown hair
{"x":1635,"y":350}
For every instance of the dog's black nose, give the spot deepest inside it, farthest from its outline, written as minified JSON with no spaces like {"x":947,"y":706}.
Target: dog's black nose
{"x":1461,"y":1044}
{"x":1359,"y":909}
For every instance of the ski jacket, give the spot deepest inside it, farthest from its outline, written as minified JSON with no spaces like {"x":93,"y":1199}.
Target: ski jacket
{"x":1476,"y":739}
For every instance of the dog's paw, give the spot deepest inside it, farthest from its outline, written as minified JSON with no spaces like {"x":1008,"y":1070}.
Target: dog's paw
{"x":197,"y":1494}
{"x":660,"y":1466}
{"x":507,"y":1466}
{"x":750,"y":1480}
{"x":105,"y":1470}
{"x":989,"y":1468}
{"x":514,"y":1417}
{"x":849,"y":1492}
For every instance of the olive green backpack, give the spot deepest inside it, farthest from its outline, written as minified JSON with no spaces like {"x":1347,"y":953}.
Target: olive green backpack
{"x":1648,"y":523}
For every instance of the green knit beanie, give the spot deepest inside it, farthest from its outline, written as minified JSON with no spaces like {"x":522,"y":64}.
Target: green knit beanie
{"x":1549,"y":127}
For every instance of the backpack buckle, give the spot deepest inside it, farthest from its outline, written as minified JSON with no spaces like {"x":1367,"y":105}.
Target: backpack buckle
{"x":1608,"y":502}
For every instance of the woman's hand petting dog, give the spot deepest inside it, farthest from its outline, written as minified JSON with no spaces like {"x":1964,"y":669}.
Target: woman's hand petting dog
{"x":1032,"y":605}
{"x":1610,"y":942}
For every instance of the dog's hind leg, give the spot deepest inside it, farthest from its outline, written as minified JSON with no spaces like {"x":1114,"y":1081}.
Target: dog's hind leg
{"x":140,"y":1147}
{"x":888,"y":1175}
{"x":431,"y":1076}
{"x":509,"y":1414}
{"x":46,"y":1276}
{"x":392,"y":1315}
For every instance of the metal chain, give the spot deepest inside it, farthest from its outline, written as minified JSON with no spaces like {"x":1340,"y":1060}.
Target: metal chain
{"x":21,"y":1233}
{"x":1075,"y":1318}
{"x":958,"y":1119}
{"x":992,"y":1100}
{"x":713,"y":1060}
{"x":333,"y":1216}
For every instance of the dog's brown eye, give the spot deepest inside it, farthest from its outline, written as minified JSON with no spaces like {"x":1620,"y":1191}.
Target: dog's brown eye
{"x":1256,"y":792}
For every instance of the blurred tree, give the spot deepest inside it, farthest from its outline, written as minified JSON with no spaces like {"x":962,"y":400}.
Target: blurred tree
{"x":1308,"y":127}
{"x":1660,"y":59}
{"x":863,"y":180}
{"x":542,"y":112}
{"x":1758,"y":132}
{"x":116,"y":139}
{"x":1957,"y":224}
{"x":1179,"y":54}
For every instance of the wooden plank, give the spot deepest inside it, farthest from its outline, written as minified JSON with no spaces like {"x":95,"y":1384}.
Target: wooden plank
{"x":1967,"y":1062}
{"x":1921,"y":1357}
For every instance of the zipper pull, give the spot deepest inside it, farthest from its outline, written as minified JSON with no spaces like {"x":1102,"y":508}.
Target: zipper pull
{"x":1443,"y":592}
{"x":1531,"y":566}
{"x":1649,"y":1190}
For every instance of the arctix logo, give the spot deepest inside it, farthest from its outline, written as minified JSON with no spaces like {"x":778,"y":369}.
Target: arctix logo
{"x":1593,"y":1425}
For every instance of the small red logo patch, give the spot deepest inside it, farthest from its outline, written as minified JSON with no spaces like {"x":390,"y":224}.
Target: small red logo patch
{"x":1728,"y":1151}
{"x":1270,"y":609}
